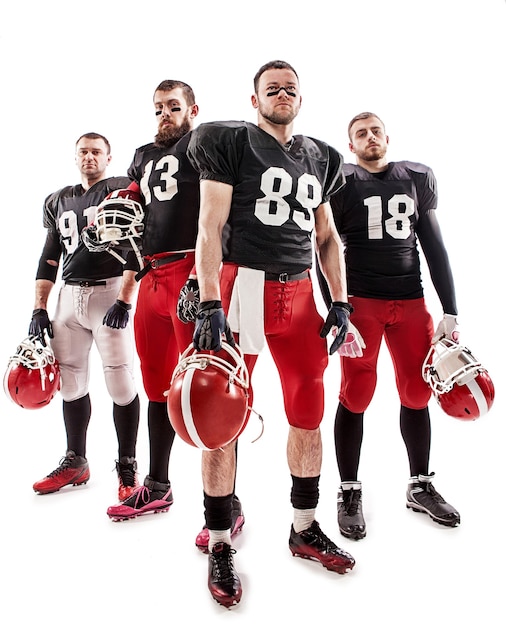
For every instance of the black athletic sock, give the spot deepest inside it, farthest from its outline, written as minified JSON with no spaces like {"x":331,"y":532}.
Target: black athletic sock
{"x":305,"y":492}
{"x":76,"y":416}
{"x":161,"y":438}
{"x":416,"y":432}
{"x":218,"y":511}
{"x":348,"y":435}
{"x":126,"y":422}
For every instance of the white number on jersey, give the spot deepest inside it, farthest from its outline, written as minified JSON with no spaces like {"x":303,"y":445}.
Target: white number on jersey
{"x":169,"y":166}
{"x":69,"y":230}
{"x":397,"y":225}
{"x":274,"y":210}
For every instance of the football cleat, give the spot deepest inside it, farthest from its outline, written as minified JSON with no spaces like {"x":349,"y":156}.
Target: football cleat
{"x":313,"y":544}
{"x":126,"y":468}
{"x":423,"y":498}
{"x":152,"y":497}
{"x":223,"y":581}
{"x":202,"y":540}
{"x":349,"y":510}
{"x":73,"y":470}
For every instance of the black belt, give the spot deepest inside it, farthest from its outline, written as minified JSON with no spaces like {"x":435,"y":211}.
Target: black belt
{"x":85,"y":283}
{"x":286,"y":278}
{"x":153,"y":264}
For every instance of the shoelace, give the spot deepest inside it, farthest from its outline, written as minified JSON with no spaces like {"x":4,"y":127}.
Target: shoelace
{"x":436,"y":495}
{"x":223,"y":564}
{"x":127,"y":474}
{"x":320,"y":541}
{"x":65,"y":463}
{"x":142,"y":495}
{"x":351,"y":501}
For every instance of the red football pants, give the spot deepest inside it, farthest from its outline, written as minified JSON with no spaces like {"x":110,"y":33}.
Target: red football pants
{"x":159,"y":335}
{"x":292,"y":328}
{"x":407,"y":328}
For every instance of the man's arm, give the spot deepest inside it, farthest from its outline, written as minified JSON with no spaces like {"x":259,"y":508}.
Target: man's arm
{"x":128,"y":287}
{"x":329,"y":249}
{"x":211,"y":323}
{"x":215,"y":202}
{"x":117,"y":315}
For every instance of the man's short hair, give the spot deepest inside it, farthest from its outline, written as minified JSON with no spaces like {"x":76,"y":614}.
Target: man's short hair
{"x":95,"y":136}
{"x":272,"y":65}
{"x":169,"y":85}
{"x":363,"y":116}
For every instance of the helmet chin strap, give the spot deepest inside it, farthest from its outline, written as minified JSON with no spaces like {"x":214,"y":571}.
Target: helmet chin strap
{"x":135,"y":248}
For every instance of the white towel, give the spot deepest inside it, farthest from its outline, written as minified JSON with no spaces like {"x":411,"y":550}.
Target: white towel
{"x":246,"y":313}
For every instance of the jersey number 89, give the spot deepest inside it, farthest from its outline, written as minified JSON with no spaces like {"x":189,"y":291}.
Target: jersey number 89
{"x":274,"y":210}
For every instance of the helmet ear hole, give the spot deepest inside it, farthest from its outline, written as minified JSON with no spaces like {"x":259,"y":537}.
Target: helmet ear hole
{"x":207,"y":400}
{"x":459,"y":382}
{"x":32,"y":378}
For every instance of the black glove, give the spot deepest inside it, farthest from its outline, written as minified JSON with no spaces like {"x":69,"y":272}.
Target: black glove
{"x":90,"y":239}
{"x":210,"y":324}
{"x":338,"y":317}
{"x":188,"y":301}
{"x":40,"y":323}
{"x":117,"y":316}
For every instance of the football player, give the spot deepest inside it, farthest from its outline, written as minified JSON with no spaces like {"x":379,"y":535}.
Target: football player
{"x":93,"y":306}
{"x":170,"y":188}
{"x":264,"y":191}
{"x":382,"y":213}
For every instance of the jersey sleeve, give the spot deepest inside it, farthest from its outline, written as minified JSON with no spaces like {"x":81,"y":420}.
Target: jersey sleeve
{"x":431,"y":241}
{"x":335,"y":178}
{"x":214,"y":151}
{"x":134,"y":172}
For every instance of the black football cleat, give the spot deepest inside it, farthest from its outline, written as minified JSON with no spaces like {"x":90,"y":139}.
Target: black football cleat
{"x":313,"y":544}
{"x":223,"y":581}
{"x":423,"y":498}
{"x":349,"y":510}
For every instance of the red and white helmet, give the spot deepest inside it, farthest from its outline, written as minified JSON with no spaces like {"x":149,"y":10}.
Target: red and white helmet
{"x":119,"y":217}
{"x":208,"y":397}
{"x":32,"y":378}
{"x":460,"y":383}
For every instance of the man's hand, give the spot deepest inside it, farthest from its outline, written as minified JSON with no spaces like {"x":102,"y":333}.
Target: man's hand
{"x":188,"y":301}
{"x":40,"y":325}
{"x":117,"y":316}
{"x":353,"y":343}
{"x":210,"y":325}
{"x":338,"y":317}
{"x":447,"y":327}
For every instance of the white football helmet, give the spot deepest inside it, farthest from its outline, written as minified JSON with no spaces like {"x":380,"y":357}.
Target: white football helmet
{"x":119,"y":217}
{"x":459,"y":382}
{"x":32,"y":377}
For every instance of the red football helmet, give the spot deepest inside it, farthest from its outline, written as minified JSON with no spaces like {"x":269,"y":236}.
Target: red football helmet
{"x":208,"y":397}
{"x":460,"y":383}
{"x":33,"y":375}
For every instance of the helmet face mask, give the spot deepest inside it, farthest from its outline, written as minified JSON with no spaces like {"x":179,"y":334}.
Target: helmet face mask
{"x":208,"y":397}
{"x":32,"y":378}
{"x":461,"y":385}
{"x":119,"y":218}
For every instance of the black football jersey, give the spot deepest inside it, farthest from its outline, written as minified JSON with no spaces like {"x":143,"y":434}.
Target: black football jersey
{"x":276,"y":191}
{"x":378,"y":217}
{"x":66,"y":212}
{"x":170,"y":187}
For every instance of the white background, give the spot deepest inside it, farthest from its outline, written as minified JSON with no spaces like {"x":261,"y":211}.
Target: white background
{"x":434,"y":72}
